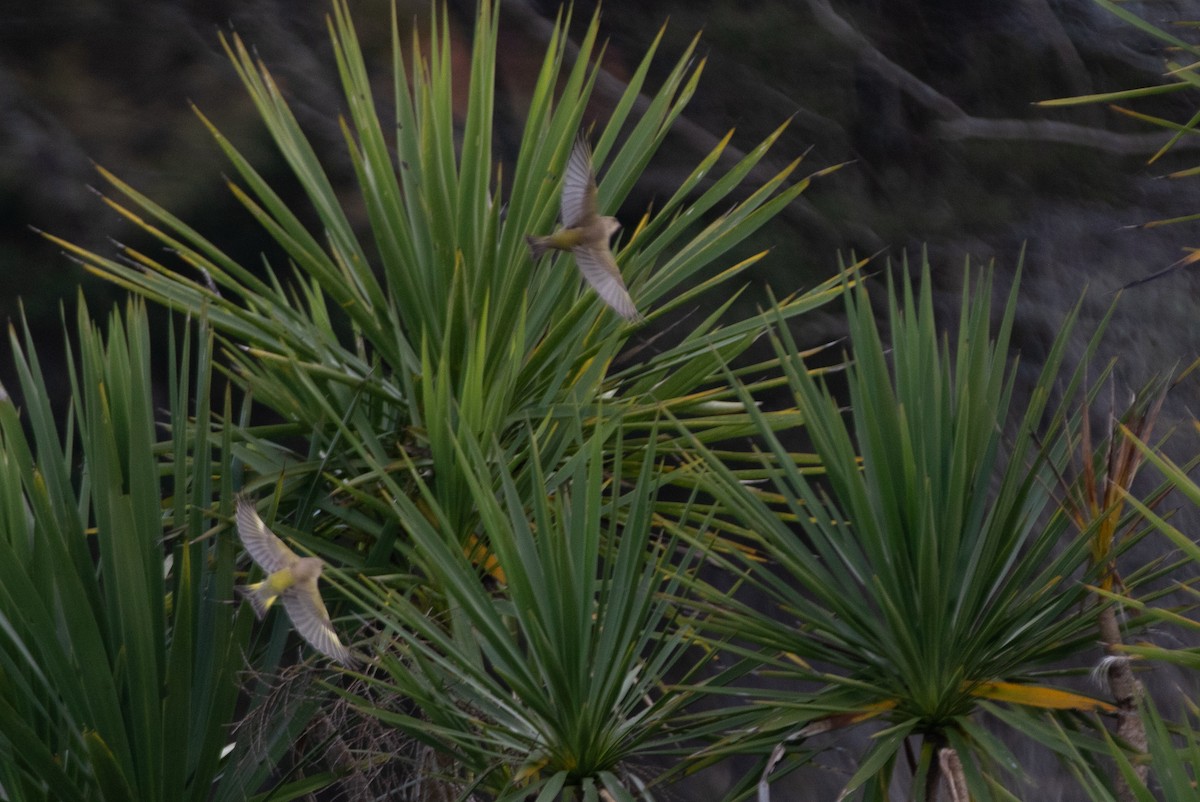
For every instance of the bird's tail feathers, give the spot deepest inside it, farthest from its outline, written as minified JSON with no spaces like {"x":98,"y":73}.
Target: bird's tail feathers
{"x":537,"y":246}
{"x":353,"y":659}
{"x":260,"y":599}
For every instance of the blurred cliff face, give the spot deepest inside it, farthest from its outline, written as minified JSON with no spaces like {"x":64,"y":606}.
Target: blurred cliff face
{"x":929,"y":99}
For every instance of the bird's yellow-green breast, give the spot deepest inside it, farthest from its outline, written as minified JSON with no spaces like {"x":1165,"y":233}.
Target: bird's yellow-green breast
{"x":280,"y":581}
{"x":567,"y":238}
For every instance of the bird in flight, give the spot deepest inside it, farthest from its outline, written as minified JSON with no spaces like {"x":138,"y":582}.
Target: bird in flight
{"x":585,"y":234}
{"x":291,"y":578}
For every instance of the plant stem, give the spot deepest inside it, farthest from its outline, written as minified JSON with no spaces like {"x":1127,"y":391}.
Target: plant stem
{"x":1126,"y":690}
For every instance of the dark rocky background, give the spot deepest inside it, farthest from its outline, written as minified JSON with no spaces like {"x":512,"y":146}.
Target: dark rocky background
{"x":929,"y":101}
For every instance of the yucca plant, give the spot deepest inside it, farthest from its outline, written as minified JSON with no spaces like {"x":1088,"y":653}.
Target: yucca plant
{"x":927,"y":580}
{"x":1095,"y":497}
{"x":433,"y":319}
{"x":119,"y":658}
{"x":1166,"y":758}
{"x":550,"y":682}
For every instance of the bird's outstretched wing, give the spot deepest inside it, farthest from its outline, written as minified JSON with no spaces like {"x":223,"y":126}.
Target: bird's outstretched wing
{"x":266,"y":549}
{"x":579,"y":187}
{"x":310,"y":618}
{"x":600,"y":270}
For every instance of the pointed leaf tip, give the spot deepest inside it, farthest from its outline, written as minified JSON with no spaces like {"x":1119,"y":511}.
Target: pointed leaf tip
{"x":1039,"y":696}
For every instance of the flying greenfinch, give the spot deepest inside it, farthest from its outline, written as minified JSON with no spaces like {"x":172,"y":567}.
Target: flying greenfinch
{"x":585,"y":234}
{"x":291,"y":578}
